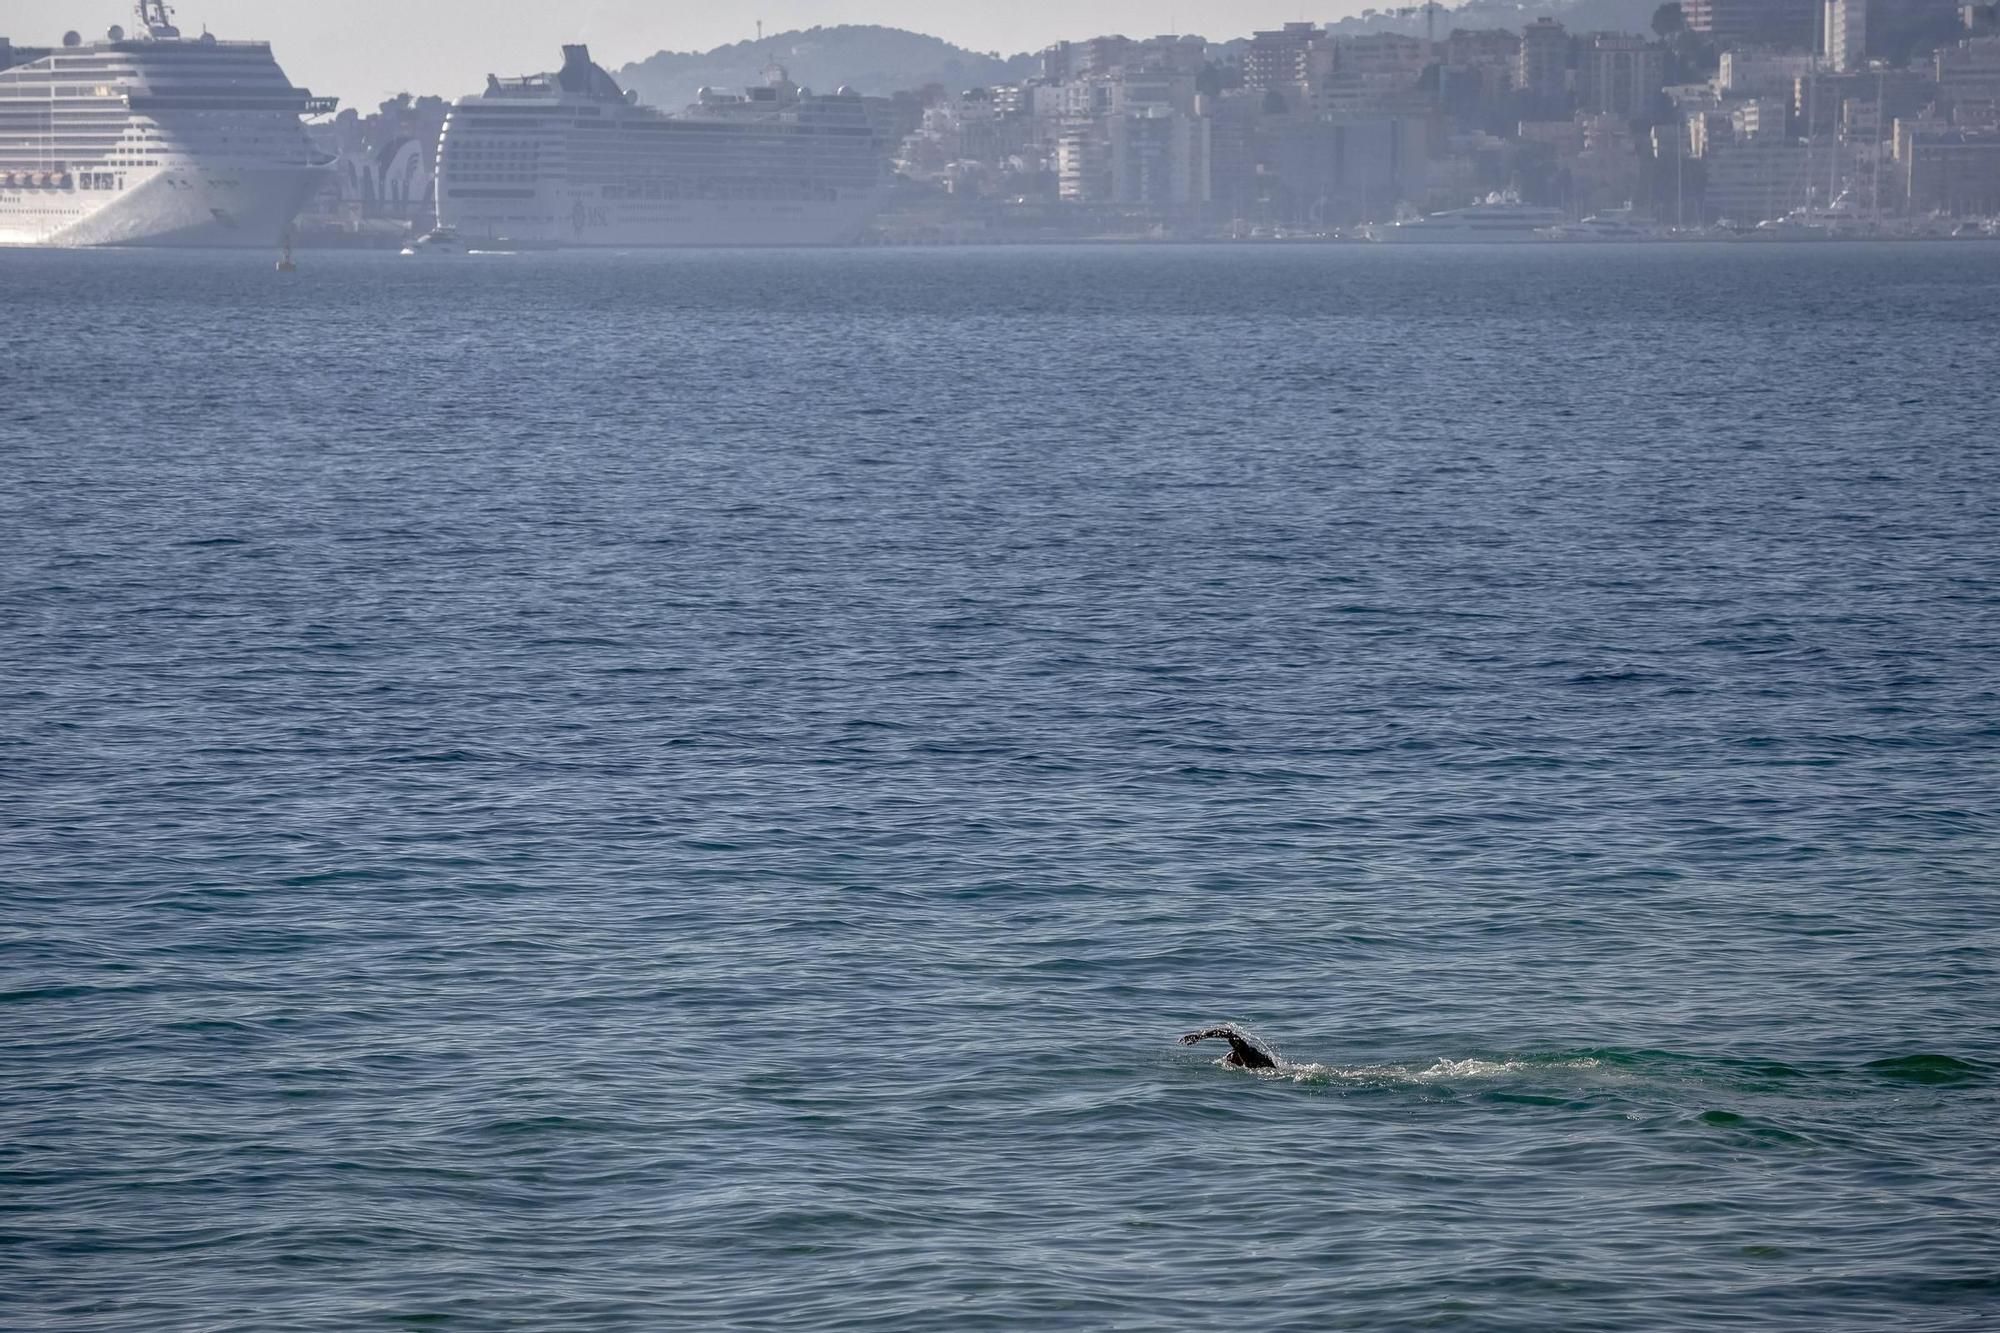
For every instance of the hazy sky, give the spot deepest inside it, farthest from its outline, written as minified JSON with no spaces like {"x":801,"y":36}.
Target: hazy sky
{"x":363,"y":50}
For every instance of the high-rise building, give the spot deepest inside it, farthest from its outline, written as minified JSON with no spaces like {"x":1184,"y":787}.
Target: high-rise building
{"x":1083,"y":161}
{"x":1948,"y":169}
{"x":1280,"y":58}
{"x":1791,"y":24}
{"x":1381,"y":55}
{"x":1099,"y":55}
{"x":1758,"y":118}
{"x":1232,"y":159}
{"x":1184,"y":53}
{"x":1706,"y":131}
{"x":1969,"y":72}
{"x":1619,"y":75}
{"x":1761,"y":73}
{"x":1750,"y":181}
{"x":1159,"y":158}
{"x":1846,"y":29}
{"x":1336,"y":170}
{"x":1542,"y":69}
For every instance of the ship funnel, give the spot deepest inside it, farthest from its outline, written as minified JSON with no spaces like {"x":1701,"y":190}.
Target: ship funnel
{"x":580,"y":75}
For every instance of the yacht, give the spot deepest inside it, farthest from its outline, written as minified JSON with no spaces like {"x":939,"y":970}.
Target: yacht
{"x":572,"y":159}
{"x":152,"y":138}
{"x":1841,"y":218}
{"x":1498,"y":218}
{"x":1617,"y":224}
{"x":1798,"y":225}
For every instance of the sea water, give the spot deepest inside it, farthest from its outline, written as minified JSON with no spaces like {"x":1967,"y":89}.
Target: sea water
{"x":699,"y":790}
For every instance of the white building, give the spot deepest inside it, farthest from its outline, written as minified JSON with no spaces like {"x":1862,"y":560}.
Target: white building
{"x":1846,"y":33}
{"x":1083,"y":161}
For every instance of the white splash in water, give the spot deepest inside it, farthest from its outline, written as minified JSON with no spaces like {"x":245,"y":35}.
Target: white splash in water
{"x":1444,"y":1070}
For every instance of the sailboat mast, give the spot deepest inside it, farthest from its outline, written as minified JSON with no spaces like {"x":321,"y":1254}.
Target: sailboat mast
{"x":1875,"y":190}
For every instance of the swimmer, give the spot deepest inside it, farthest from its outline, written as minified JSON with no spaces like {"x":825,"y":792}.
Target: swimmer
{"x":1244,"y":1053}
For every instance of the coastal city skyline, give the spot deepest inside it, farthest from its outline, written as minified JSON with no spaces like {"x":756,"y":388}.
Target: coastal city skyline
{"x":1694,"y":122}
{"x":1881,"y":120}
{"x":363,"y":51}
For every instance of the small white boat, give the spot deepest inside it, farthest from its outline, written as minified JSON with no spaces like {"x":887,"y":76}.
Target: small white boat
{"x":436,"y":244}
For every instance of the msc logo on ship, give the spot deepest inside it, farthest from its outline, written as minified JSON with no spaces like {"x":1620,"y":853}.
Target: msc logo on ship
{"x":582,"y":217}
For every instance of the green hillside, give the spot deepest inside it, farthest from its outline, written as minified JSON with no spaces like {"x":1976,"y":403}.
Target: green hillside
{"x":870,"y":59}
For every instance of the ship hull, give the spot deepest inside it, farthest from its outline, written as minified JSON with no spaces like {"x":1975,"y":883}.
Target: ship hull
{"x":227,"y":208}
{"x":556,"y":218}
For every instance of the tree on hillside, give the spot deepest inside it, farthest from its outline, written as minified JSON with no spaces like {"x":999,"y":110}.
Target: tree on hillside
{"x":1690,"y":57}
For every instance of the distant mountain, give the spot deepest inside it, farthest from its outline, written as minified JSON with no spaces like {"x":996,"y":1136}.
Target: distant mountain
{"x":869,"y":59}
{"x":1634,"y":16}
{"x":879,"y":60}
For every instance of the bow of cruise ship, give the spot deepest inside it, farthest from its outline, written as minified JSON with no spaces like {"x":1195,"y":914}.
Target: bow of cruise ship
{"x":152,"y":138}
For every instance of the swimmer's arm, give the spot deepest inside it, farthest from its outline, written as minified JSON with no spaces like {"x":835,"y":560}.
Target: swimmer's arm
{"x":1242,"y":1051}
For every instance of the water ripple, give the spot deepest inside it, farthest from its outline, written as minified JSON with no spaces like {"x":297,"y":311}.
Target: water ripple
{"x":706,"y":804}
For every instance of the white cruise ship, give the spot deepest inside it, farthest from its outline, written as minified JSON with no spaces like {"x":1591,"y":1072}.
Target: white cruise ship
{"x":571,"y":159}
{"x":152,"y":138}
{"x":1496,"y":218}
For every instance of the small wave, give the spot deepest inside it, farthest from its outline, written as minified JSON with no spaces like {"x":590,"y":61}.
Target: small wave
{"x":455,"y":756}
{"x":1753,"y":1075}
{"x":1750,"y":1130}
{"x":1442,"y":1070}
{"x":1477,"y":1068}
{"x":1628,"y":676}
{"x":1942,"y":1070}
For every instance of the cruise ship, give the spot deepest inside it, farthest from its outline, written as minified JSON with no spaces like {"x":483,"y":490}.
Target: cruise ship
{"x":571,"y":159}
{"x":152,"y":138}
{"x":1496,"y":218}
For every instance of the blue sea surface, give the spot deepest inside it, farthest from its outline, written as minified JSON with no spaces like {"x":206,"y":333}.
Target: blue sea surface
{"x":698,"y":790}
